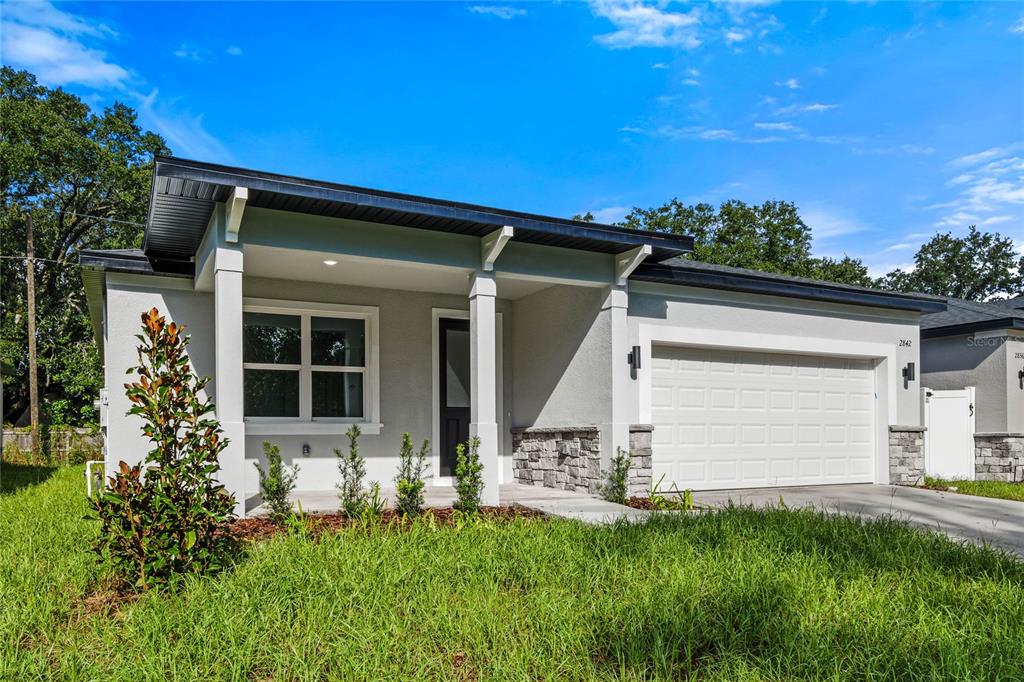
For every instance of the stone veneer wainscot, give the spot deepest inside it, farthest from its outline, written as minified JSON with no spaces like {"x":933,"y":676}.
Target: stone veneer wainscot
{"x":999,"y":457}
{"x":906,"y":455}
{"x":569,"y":458}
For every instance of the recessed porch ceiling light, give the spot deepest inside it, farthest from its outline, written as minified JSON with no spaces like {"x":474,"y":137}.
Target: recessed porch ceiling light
{"x":330,"y":262}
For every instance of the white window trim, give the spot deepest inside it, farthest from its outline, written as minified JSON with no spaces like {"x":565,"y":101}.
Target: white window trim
{"x":305,"y":423}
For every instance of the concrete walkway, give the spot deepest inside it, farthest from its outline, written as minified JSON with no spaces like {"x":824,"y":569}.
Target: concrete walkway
{"x":964,"y":517}
{"x":560,"y":503}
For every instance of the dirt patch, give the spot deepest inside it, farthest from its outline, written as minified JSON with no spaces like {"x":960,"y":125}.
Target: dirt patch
{"x":663,"y":504}
{"x":255,"y":529}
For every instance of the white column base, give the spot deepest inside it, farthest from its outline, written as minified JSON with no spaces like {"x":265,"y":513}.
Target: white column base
{"x":488,"y":435}
{"x":232,"y":464}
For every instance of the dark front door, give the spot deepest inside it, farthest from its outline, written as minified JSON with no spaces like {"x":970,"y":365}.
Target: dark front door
{"x":454,"y":390}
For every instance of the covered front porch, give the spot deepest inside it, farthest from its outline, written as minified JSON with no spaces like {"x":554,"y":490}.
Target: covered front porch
{"x":310,"y":341}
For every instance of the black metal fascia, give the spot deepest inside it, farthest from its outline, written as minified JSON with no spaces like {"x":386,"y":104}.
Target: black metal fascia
{"x":134,"y":264}
{"x":977,"y":326}
{"x":666,"y":274}
{"x":670,"y":245}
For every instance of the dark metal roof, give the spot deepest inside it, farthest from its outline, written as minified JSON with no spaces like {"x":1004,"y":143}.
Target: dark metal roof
{"x":961,"y":317}
{"x":133,"y":261}
{"x":686,"y":272}
{"x":184,"y":194}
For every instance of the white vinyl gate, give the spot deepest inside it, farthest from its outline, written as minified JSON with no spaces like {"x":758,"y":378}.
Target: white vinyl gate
{"x":949,"y":438}
{"x":737,"y":419}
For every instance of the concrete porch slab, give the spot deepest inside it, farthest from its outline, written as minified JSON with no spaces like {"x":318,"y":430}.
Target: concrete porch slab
{"x":561,"y":503}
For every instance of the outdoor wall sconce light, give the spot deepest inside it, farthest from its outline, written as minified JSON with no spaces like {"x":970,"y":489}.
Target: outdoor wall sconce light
{"x":633,"y":358}
{"x":1020,"y":378}
{"x":909,"y":372}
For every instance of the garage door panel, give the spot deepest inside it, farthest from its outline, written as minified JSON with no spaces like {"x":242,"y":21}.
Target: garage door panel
{"x":745,"y":419}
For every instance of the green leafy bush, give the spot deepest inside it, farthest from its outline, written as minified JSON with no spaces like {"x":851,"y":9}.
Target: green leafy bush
{"x":616,"y":488}
{"x":352,"y":468}
{"x":277,"y":483}
{"x":161,"y":519}
{"x":469,"y":481}
{"x":409,"y":481}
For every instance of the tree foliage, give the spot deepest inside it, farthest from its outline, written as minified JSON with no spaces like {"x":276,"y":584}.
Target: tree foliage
{"x":161,"y":519}
{"x":975,"y":267}
{"x":770,"y":237}
{"x":85,"y":177}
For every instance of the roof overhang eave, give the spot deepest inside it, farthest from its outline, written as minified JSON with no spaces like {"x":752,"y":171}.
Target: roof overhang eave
{"x":817,"y":291}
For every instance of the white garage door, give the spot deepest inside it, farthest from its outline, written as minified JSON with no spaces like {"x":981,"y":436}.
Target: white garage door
{"x":733,"y":419}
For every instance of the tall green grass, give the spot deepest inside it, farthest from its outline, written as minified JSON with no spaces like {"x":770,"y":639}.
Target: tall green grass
{"x":998,"y":489}
{"x":732,"y":595}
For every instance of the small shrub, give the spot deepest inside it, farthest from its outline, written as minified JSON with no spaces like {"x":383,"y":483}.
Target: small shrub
{"x":616,"y":488}
{"x":469,"y":481}
{"x":352,"y":468}
{"x":277,"y":483}
{"x":161,"y":519}
{"x":409,"y":481}
{"x":374,"y":506}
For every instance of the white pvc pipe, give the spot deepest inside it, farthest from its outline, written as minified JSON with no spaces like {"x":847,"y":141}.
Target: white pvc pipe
{"x":88,"y":475}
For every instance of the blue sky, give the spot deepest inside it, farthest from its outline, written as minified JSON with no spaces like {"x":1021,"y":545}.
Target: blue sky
{"x":885,"y":122}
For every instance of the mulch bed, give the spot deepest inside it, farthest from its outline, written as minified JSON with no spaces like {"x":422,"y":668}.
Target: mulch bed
{"x":259,"y":528}
{"x":640,"y":503}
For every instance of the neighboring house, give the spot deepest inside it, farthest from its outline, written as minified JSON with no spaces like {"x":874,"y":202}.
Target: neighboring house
{"x":981,"y":346}
{"x":316,"y":305}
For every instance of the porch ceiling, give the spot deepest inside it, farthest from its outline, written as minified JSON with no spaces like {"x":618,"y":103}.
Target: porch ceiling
{"x":310,"y":266}
{"x":185,"y":192}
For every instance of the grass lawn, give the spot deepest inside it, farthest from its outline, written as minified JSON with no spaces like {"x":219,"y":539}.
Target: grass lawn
{"x":732,"y":595}
{"x":1000,"y":489}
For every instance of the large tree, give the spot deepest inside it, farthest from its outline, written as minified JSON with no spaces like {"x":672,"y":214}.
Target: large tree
{"x":770,"y":237}
{"x":84,"y":176}
{"x":975,"y":267}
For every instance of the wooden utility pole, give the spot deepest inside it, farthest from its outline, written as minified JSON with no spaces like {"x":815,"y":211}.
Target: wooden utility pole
{"x":33,"y":373}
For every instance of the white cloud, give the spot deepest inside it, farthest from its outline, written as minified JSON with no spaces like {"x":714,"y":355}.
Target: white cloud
{"x":783,"y":127}
{"x":691,"y":81}
{"x":192,"y":52}
{"x":500,"y":11}
{"x":640,"y":25}
{"x":899,"y":247}
{"x":736,"y":35}
{"x":659,"y":65}
{"x":989,"y":189}
{"x":184,"y":132}
{"x":987,"y":155}
{"x":917,"y":149}
{"x":825,"y":224}
{"x":610,"y":214}
{"x":817,"y":107}
{"x":59,"y":48}
{"x":233,"y":50}
{"x":792,"y":84}
{"x":64,"y":49}
{"x":1019,"y":26}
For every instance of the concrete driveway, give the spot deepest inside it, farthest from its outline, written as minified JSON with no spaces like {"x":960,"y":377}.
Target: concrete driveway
{"x":964,"y":517}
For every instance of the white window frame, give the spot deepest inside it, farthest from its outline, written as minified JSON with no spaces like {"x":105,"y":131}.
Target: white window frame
{"x":306,"y":423}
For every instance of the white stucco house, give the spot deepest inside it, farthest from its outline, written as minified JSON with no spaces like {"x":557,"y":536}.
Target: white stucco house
{"x":316,"y":305}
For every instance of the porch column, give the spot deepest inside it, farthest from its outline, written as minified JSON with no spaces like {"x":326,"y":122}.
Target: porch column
{"x":615,"y":432}
{"x":483,"y":419}
{"x":228,"y":396}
